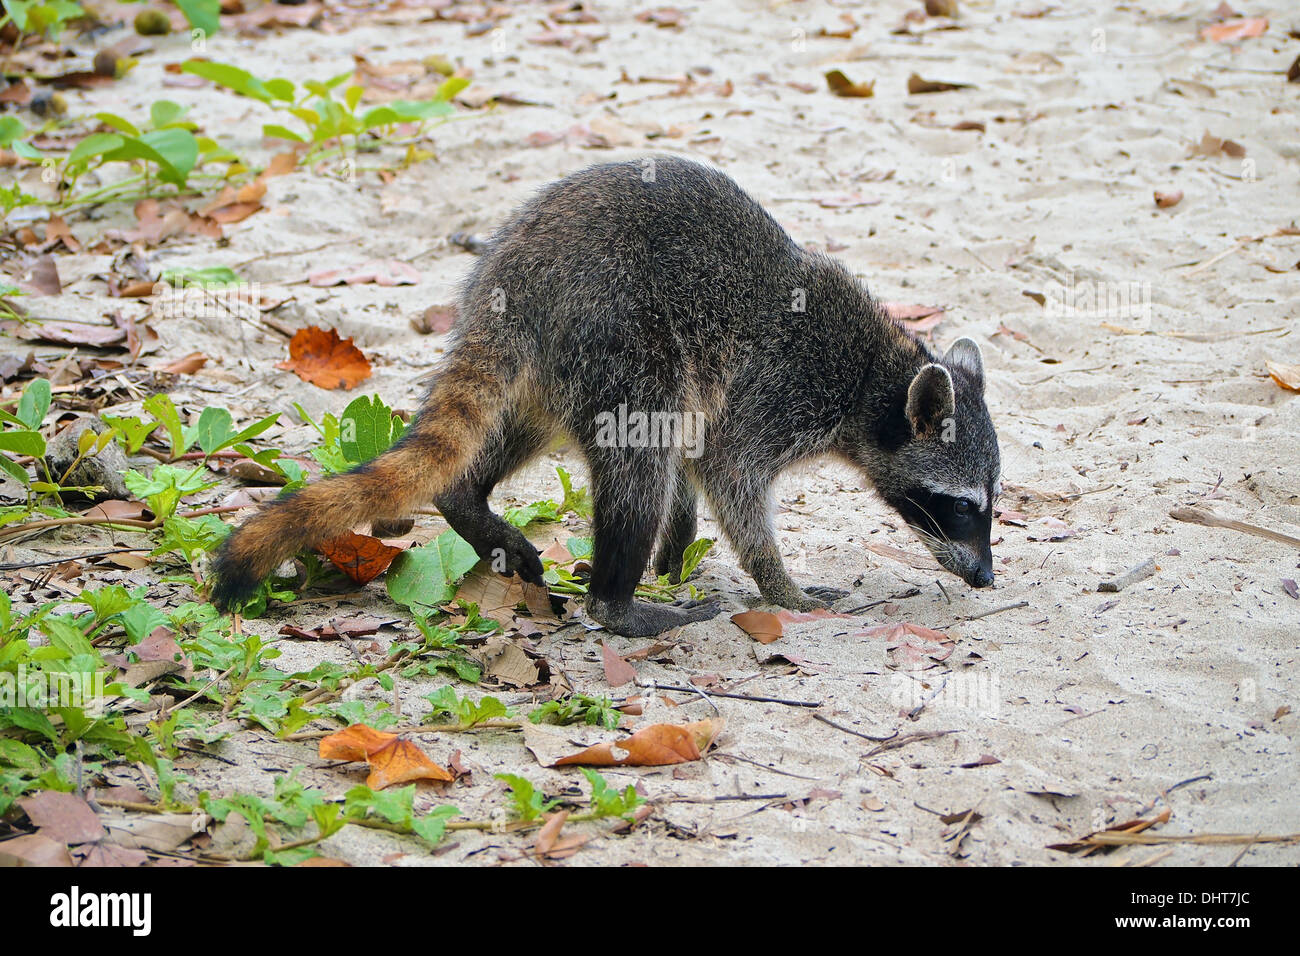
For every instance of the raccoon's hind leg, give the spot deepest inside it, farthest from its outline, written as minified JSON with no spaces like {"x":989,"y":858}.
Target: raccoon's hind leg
{"x":739,"y":497}
{"x":631,"y":489}
{"x":679,"y":531}
{"x":465,"y":504}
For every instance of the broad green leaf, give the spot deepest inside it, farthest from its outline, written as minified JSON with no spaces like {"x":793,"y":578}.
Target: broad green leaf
{"x":425,"y":577}
{"x":23,"y":443}
{"x":693,"y":555}
{"x":203,"y":15}
{"x":367,"y":427}
{"x":94,"y":145}
{"x":34,"y":403}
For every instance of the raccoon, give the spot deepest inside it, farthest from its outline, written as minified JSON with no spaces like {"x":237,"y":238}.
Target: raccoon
{"x":660,"y":288}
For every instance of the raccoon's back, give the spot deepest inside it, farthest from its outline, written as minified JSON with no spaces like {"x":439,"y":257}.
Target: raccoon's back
{"x":666,"y":241}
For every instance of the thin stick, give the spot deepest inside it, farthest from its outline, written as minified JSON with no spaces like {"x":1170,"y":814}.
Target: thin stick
{"x":1210,"y":520}
{"x":909,"y":739}
{"x":717,"y":693}
{"x":996,"y":610}
{"x":71,"y":557}
{"x":849,"y":730}
{"x":1133,"y":575}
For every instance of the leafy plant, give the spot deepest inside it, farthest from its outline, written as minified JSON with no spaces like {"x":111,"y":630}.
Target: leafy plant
{"x":608,"y":802}
{"x":578,"y":708}
{"x":526,"y":801}
{"x":25,"y":438}
{"x":325,"y":117}
{"x":466,"y":712}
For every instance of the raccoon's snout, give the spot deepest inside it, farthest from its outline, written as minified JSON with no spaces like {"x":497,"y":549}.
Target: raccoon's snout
{"x":981,"y":578}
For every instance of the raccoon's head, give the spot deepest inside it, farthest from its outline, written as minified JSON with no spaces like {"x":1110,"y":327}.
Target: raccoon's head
{"x":941,"y":469}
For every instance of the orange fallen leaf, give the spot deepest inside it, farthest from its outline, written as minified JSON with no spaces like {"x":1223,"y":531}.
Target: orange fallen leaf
{"x":401,"y":761}
{"x":322,"y":358}
{"x":617,"y":671}
{"x":915,"y":84}
{"x":356,"y":742}
{"x":655,"y":746}
{"x":187,"y":365}
{"x":360,"y":556}
{"x":1286,"y":376}
{"x":841,"y":85}
{"x":392,"y":759}
{"x":549,"y":833}
{"x":762,"y":626}
{"x":1242,"y":29}
{"x":912,"y":647}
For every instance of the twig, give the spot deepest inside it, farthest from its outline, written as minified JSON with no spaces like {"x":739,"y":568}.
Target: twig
{"x":909,"y":739}
{"x":72,"y":557}
{"x":996,"y":610}
{"x":718,"y":693}
{"x":849,"y":730}
{"x":1210,"y":520}
{"x":1133,"y":575}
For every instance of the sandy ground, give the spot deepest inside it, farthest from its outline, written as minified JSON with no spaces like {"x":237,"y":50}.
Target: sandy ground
{"x":1073,"y":712}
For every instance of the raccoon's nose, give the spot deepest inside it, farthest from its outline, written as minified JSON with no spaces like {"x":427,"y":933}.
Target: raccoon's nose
{"x":983,"y":578}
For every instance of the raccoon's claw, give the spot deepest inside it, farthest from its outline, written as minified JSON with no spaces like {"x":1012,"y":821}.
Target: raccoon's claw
{"x":825,"y":593}
{"x":642,"y":619}
{"x":514,"y":554}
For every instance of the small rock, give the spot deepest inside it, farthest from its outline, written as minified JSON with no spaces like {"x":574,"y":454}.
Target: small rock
{"x":104,"y":468}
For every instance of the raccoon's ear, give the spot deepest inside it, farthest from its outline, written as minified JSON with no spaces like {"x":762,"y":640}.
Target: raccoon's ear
{"x":930,"y":400}
{"x":965,"y":353}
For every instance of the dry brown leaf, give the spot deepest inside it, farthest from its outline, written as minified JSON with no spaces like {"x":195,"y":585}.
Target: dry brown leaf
{"x":912,"y":647}
{"x":319,"y":356}
{"x":64,"y":817}
{"x":385,"y":272}
{"x":1230,"y":30}
{"x":356,"y":742}
{"x":617,"y":671}
{"x":915,"y":84}
{"x":360,"y":556}
{"x":841,"y":85}
{"x":762,"y":626}
{"x":392,"y":759}
{"x":655,"y":746}
{"x":32,"y":849}
{"x":1286,"y":376}
{"x":401,"y":761}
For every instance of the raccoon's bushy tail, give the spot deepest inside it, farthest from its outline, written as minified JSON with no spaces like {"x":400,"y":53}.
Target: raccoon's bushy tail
{"x":463,"y":406}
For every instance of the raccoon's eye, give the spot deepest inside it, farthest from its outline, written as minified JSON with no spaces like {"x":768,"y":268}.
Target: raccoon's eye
{"x":963,"y":506}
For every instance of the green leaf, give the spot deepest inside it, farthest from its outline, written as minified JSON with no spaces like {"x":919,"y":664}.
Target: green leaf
{"x":367,"y":427}
{"x":23,"y":443}
{"x":537,"y":511}
{"x":118,"y":123}
{"x":94,"y":145}
{"x":203,"y":15}
{"x":213,"y":428}
{"x":163,"y":113}
{"x":140,"y":620}
{"x":19,"y":474}
{"x":231,"y":77}
{"x":192,"y":536}
{"x":276,"y":131}
{"x":209,"y":277}
{"x":433,"y":825}
{"x":160,"y":407}
{"x":425,"y":577}
{"x":693,"y":555}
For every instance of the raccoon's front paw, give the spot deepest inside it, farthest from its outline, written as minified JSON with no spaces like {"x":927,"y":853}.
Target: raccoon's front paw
{"x":814,"y":599}
{"x":514,"y":554}
{"x":643,"y":619}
